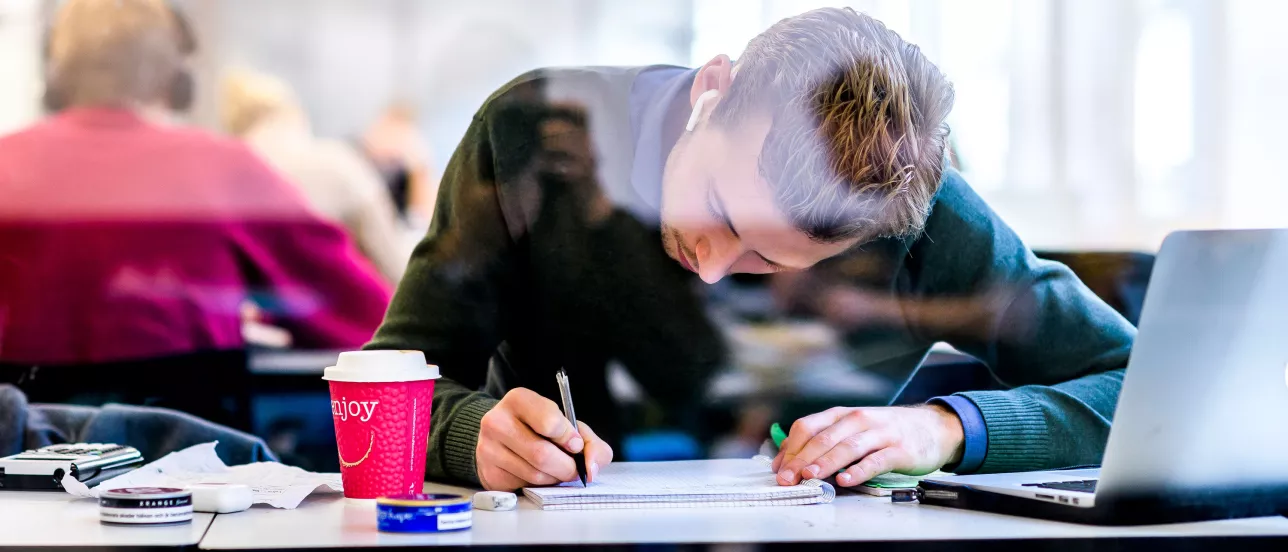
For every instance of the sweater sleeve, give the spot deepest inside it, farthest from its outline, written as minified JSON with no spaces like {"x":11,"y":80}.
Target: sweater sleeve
{"x":454,"y":301}
{"x":1043,"y":333}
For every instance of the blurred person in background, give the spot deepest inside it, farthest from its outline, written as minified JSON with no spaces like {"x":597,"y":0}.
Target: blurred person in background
{"x":130,"y":239}
{"x":265,"y":113}
{"x":180,"y":91}
{"x":576,"y":242}
{"x":400,"y":153}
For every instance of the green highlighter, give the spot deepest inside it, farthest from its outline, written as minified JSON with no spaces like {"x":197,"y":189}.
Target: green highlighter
{"x":777,"y":434}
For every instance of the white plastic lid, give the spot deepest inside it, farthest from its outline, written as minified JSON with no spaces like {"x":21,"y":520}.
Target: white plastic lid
{"x":380,"y":366}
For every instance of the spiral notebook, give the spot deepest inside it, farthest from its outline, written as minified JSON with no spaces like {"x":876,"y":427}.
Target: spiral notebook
{"x":686,"y":484}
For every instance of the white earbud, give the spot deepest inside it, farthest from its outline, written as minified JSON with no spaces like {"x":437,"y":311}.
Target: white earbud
{"x":697,"y":109}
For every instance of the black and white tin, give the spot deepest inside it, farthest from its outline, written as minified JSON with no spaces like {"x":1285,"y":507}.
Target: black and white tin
{"x":145,"y":506}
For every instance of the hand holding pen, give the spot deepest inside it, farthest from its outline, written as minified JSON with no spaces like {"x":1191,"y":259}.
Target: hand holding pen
{"x":526,"y":440}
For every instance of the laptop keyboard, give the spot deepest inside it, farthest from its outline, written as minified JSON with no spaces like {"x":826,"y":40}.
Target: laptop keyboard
{"x":1084,"y":486}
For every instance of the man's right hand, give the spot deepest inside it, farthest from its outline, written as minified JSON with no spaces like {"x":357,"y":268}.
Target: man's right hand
{"x":525,"y":440}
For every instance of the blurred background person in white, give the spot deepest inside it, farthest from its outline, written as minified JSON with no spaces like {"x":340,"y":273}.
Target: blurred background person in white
{"x":400,"y":152}
{"x":263,"y":111}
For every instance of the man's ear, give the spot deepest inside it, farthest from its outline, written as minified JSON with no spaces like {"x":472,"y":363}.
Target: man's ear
{"x":716,"y":74}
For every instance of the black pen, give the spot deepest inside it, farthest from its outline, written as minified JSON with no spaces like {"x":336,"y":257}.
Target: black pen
{"x":565,"y":392}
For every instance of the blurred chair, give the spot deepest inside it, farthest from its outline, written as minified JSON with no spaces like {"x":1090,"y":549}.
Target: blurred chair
{"x":1119,"y":278}
{"x":214,"y":385}
{"x":658,"y":446}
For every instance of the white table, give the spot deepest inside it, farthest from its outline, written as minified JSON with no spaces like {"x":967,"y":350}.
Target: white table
{"x":332,"y":521}
{"x":57,"y":519}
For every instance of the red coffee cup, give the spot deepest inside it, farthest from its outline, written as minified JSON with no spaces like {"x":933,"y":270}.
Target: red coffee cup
{"x":380,"y":403}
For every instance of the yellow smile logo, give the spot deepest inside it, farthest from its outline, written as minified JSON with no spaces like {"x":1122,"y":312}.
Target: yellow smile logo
{"x":371,"y":441}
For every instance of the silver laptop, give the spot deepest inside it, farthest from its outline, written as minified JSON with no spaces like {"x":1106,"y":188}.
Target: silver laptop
{"x":1203,"y":413}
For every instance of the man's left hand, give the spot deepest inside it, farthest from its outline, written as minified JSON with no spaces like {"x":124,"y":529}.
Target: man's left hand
{"x":867,"y":442}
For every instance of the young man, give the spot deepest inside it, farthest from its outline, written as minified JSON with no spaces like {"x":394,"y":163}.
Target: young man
{"x":581,"y":203}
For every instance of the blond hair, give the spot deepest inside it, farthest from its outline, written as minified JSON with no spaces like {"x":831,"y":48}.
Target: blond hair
{"x":113,"y":52}
{"x":856,"y":147}
{"x":247,"y":98}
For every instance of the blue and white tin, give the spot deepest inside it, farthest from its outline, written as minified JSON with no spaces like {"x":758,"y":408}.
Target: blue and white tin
{"x":423,"y":513}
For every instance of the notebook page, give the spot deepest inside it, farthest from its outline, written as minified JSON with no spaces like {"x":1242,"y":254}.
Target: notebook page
{"x":730,"y":480}
{"x":688,"y":504}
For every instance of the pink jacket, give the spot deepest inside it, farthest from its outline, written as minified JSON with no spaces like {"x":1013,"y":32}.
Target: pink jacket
{"x":123,"y":239}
